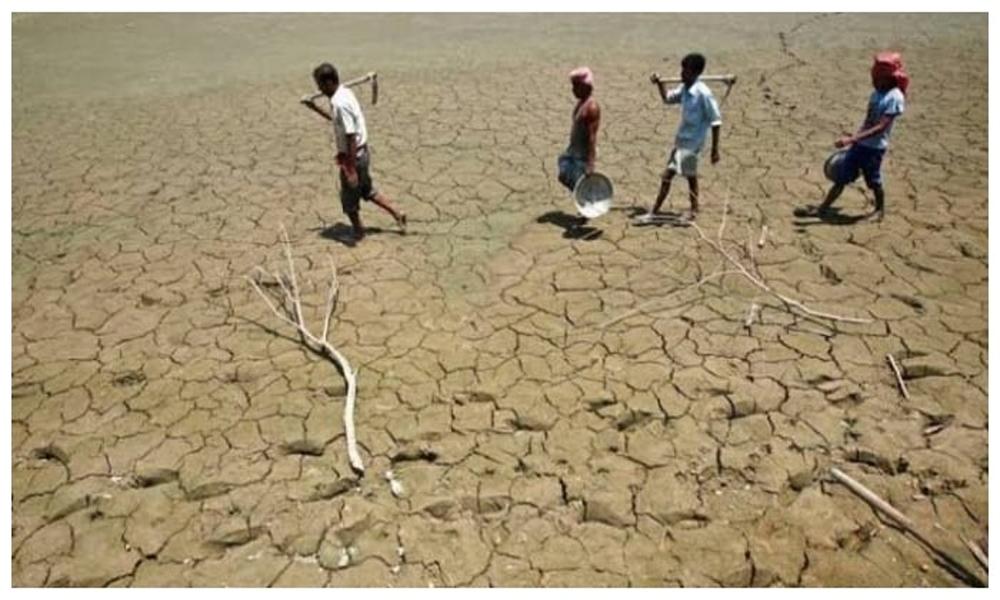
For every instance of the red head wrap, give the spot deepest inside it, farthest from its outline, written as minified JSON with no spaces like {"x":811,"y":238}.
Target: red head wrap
{"x":891,"y":64}
{"x":582,"y":74}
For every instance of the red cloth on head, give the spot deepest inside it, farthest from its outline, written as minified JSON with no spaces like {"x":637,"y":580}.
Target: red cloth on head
{"x":583,"y":75}
{"x":891,"y":64}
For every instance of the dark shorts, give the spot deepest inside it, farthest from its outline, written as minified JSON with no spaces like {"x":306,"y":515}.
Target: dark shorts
{"x":571,"y":169}
{"x":862,"y":160}
{"x":350,"y":198}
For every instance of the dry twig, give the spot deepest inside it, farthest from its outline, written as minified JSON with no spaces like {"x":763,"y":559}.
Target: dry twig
{"x":756,"y":280}
{"x":751,"y":273}
{"x":763,"y":237}
{"x":899,"y":376}
{"x":957,"y":568}
{"x":290,"y":312}
{"x":978,"y":554}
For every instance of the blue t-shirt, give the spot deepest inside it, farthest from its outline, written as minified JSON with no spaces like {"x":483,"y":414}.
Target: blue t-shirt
{"x":880,"y":104}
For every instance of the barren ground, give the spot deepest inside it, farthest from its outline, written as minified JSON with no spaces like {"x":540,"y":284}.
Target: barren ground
{"x":169,"y":431}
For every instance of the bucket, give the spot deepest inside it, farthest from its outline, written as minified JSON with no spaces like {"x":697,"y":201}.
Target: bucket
{"x":831,"y":168}
{"x":593,"y":194}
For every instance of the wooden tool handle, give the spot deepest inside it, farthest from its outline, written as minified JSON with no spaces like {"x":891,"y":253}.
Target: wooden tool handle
{"x":359,"y":80}
{"x":730,"y":79}
{"x":370,"y":76}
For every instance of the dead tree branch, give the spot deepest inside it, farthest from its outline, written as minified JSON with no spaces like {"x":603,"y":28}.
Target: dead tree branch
{"x":290,"y":311}
{"x":751,"y":273}
{"x":905,"y":523}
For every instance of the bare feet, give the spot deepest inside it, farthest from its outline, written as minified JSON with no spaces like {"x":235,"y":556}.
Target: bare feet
{"x":401,"y":222}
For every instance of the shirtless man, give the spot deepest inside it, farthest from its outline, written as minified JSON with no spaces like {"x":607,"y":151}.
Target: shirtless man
{"x":578,"y":159}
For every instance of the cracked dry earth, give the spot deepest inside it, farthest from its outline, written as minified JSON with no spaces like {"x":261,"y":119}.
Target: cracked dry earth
{"x":168,"y":430}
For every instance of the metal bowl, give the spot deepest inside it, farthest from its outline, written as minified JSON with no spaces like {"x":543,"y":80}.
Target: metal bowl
{"x":593,"y":194}
{"x":831,"y":168}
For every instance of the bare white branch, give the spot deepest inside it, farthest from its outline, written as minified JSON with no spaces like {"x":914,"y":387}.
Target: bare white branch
{"x":899,"y":376}
{"x":291,"y":274}
{"x":292,"y":315}
{"x":270,"y":305}
{"x":758,"y":282}
{"x":331,"y":299}
{"x":902,"y":520}
{"x":978,"y":554}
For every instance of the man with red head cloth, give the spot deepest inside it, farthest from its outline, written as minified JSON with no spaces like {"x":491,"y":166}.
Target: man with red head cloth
{"x":578,"y":159}
{"x":868,"y":146}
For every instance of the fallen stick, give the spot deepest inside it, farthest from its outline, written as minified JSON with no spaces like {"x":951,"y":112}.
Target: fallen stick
{"x":766,"y":288}
{"x":899,"y":376}
{"x":318,"y":345}
{"x":936,"y":428}
{"x":751,"y":273}
{"x":904,"y":522}
{"x":751,"y":314}
{"x":873,"y":499}
{"x":758,"y":280}
{"x":394,"y":484}
{"x":978,"y":554}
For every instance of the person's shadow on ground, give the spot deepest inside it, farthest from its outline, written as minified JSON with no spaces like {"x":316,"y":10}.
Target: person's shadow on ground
{"x":344,"y":234}
{"x":807,"y":216}
{"x":575,"y":227}
{"x":668,"y":218}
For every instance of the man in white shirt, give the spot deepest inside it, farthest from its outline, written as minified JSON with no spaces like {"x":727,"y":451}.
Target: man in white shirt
{"x":699,"y":113}
{"x":351,"y":137}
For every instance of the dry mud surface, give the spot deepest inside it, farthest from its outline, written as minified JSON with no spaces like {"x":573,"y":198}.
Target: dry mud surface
{"x":168,"y":430}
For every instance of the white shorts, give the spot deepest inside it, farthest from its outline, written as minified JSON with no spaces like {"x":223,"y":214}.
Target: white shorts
{"x":683,"y":162}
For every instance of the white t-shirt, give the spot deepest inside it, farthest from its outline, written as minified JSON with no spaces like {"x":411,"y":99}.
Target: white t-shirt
{"x":347,"y":118}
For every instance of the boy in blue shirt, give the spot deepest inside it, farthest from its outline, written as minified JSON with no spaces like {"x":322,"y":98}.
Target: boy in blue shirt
{"x":869,"y":144}
{"x":699,"y":112}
